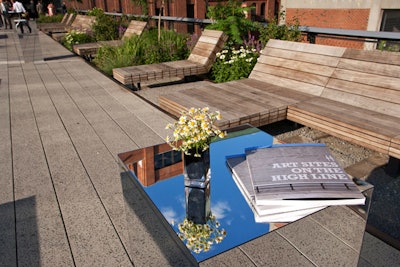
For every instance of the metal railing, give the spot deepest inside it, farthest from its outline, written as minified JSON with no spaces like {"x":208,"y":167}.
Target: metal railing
{"x":393,"y":36}
{"x":311,"y":32}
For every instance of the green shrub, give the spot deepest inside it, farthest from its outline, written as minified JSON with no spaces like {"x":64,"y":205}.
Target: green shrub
{"x":105,"y":27}
{"x":384,"y":45}
{"x":50,"y":19}
{"x":172,"y":46}
{"x":289,"y":31}
{"x":76,"y":37}
{"x":230,"y":18}
{"x":143,"y":50}
{"x":234,"y":64}
{"x":130,"y":53}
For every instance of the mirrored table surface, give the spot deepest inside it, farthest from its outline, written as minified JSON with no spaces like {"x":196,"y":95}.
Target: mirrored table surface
{"x":159,"y":173}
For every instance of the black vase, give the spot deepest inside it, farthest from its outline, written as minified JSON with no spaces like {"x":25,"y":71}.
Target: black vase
{"x":197,"y":169}
{"x":198,"y":208}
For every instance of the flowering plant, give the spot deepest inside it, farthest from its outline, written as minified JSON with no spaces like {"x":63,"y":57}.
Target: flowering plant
{"x":194,"y":130}
{"x":233,"y":64}
{"x":200,"y":237}
{"x":76,"y":37}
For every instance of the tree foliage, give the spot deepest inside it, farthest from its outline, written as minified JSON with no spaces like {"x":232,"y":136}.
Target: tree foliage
{"x":230,"y":18}
{"x":105,"y":27}
{"x":273,"y":30}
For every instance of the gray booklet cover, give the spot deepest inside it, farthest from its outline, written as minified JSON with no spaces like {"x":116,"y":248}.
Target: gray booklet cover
{"x":300,"y":174}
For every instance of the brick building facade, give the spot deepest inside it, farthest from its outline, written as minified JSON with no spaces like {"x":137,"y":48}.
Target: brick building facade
{"x":368,"y":15}
{"x":342,"y":14}
{"x":263,"y":9}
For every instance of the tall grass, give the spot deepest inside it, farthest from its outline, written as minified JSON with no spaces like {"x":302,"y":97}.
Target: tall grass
{"x":143,"y":50}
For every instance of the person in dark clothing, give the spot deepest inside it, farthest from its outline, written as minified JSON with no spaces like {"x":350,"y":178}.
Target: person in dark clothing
{"x":64,"y":8}
{"x":32,"y":10}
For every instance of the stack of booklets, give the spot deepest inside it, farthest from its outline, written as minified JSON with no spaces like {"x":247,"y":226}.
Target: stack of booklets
{"x":287,"y":182}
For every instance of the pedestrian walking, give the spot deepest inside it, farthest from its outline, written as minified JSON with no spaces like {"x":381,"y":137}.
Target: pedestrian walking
{"x":5,"y":16}
{"x":19,"y":9}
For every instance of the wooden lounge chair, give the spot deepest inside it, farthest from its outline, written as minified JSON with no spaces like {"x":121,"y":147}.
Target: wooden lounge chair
{"x":54,"y":27}
{"x":89,"y":49}
{"x":81,"y":22}
{"x":285,"y":73}
{"x":348,"y":93}
{"x":199,"y":62}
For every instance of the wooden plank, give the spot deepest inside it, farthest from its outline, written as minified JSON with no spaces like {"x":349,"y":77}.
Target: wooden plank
{"x":286,"y":82}
{"x":314,"y":58}
{"x":367,"y":78}
{"x":385,"y":57}
{"x":70,"y":19}
{"x":176,"y":103}
{"x":306,"y":47}
{"x":262,"y":94}
{"x":203,"y":50}
{"x":370,"y":91}
{"x":369,"y":122}
{"x":193,"y":98}
{"x":213,"y":33}
{"x":294,"y":64}
{"x":215,"y":99}
{"x":65,"y":18}
{"x":320,"y":122}
{"x":394,"y":149}
{"x":264,"y":91}
{"x":135,"y":27}
{"x":294,"y":74}
{"x":376,"y":105}
{"x":381,"y":69}
{"x":340,"y":132}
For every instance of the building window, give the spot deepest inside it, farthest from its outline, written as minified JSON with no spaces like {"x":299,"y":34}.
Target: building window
{"x":391,"y":20}
{"x":391,"y":23}
{"x":262,"y":12}
{"x":190,"y":14}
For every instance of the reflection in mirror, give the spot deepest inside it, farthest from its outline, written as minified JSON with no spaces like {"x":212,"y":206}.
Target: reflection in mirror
{"x":200,"y":229}
{"x":200,"y":237}
{"x":153,"y":164}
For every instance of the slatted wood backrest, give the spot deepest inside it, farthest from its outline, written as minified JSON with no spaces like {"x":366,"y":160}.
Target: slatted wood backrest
{"x":70,"y":19}
{"x":206,"y":48}
{"x":135,"y":27}
{"x":65,"y":18}
{"x":83,"y":22}
{"x":298,"y":66}
{"x":367,"y":79}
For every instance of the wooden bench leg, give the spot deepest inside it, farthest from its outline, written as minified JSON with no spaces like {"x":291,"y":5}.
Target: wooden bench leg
{"x":393,"y":167}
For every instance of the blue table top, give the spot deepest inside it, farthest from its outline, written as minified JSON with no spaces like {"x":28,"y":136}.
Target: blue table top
{"x":227,"y":202}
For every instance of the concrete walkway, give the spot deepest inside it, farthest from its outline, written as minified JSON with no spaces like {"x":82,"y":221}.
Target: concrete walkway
{"x":63,"y":201}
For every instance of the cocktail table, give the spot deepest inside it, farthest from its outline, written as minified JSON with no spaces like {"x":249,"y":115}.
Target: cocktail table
{"x":158,"y":171}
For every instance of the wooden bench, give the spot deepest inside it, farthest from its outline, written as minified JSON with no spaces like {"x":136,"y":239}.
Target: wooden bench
{"x":135,"y":27}
{"x":199,"y":62}
{"x":81,"y":22}
{"x":348,"y":93}
{"x":285,"y":73}
{"x":66,"y":21}
{"x":360,"y":103}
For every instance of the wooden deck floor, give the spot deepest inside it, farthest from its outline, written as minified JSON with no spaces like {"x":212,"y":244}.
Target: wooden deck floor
{"x":63,"y":201}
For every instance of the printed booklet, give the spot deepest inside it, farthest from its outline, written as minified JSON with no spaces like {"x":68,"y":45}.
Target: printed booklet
{"x":292,"y":181}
